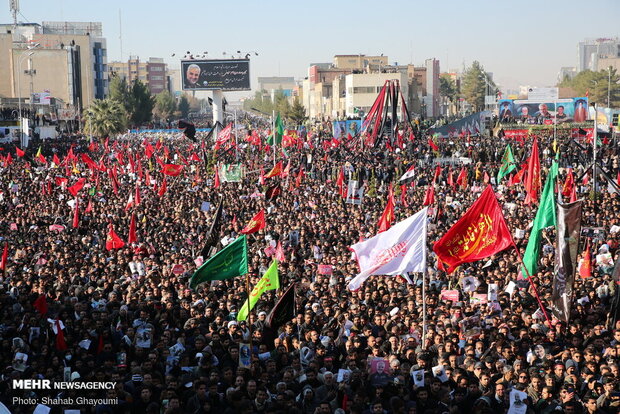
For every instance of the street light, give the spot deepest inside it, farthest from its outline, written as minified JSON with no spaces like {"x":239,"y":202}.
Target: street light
{"x":19,"y":90}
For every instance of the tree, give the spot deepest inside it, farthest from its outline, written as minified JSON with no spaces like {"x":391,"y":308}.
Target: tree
{"x":142,"y":104}
{"x":259,"y":102}
{"x":184,"y":106}
{"x":297,"y":112}
{"x":474,"y":86}
{"x":447,"y":87}
{"x":165,"y":105}
{"x":105,"y":117}
{"x":281,"y":103}
{"x":596,"y":85}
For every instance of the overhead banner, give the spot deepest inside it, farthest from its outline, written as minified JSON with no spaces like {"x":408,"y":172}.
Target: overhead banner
{"x":536,"y":112}
{"x":208,"y":75}
{"x":568,"y":229}
{"x":470,"y":125}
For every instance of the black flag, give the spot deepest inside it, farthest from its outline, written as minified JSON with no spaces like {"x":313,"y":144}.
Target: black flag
{"x":614,"y":314}
{"x":214,"y":232}
{"x":283,"y":311}
{"x":273,"y":192}
{"x":568,"y":231}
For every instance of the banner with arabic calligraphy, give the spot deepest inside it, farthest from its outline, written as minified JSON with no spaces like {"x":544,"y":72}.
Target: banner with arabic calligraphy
{"x":480,"y":233}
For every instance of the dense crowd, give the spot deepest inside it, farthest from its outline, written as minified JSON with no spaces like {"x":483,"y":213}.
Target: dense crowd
{"x":128,"y":315}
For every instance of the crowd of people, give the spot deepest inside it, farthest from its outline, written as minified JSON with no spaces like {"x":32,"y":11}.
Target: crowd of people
{"x":74,"y":311}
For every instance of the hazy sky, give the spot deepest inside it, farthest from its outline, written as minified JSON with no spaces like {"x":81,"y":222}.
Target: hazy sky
{"x":520,"y":42}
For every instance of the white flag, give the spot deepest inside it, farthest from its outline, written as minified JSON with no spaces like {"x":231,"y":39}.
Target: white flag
{"x":400,"y":249}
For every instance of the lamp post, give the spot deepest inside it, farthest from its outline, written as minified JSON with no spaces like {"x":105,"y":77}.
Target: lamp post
{"x":19,"y":90}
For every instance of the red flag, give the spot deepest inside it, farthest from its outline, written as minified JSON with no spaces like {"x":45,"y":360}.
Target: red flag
{"x":280,"y":252}
{"x":162,"y":189}
{"x":388,"y":213}
{"x":148,"y":150}
{"x":88,"y":161}
{"x":403,"y":195}
{"x":532,"y":181}
{"x":194,"y":157}
{"x":172,"y":169}
{"x":569,"y":183}
{"x":432,"y":145}
{"x":40,"y":304}
{"x":55,"y":160}
{"x":137,"y":196}
{"x":133,"y":237}
{"x":461,"y":180}
{"x":19,"y":152}
{"x":300,"y":176}
{"x":518,"y":177}
{"x":429,"y":196}
{"x":216,"y":181}
{"x":89,"y":206}
{"x":75,"y":188}
{"x":480,"y":233}
{"x":586,"y":179}
{"x":585,"y":267}
{"x":617,"y":178}
{"x":5,"y":256}
{"x":486,"y":178}
{"x":42,"y":159}
{"x":257,"y":223}
{"x":76,"y":215}
{"x":275,"y":171}
{"x":450,"y":179}
{"x":287,"y":170}
{"x":437,"y":173}
{"x":92,"y":147}
{"x":340,"y":183}
{"x":61,"y":345}
{"x":113,"y":241}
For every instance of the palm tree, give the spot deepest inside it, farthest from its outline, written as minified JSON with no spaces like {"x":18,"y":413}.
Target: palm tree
{"x":105,"y":117}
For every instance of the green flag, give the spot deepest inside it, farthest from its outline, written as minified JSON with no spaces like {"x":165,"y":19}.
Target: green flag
{"x":279,"y":132}
{"x":545,"y":217}
{"x":269,"y":281}
{"x":231,"y":261}
{"x":508,"y":164}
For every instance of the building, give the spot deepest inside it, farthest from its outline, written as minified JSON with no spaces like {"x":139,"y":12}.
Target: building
{"x":590,"y":51}
{"x":174,"y":82}
{"x":360,"y":62}
{"x":68,"y":59}
{"x":273,"y":83}
{"x":153,"y":72}
{"x":431,"y":97}
{"x":566,"y":72}
{"x":362,"y":89}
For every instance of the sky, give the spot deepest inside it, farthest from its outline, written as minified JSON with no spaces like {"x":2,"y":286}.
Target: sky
{"x":520,"y":42}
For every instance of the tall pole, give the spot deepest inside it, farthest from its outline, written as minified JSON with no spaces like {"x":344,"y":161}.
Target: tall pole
{"x":424,"y":308}
{"x":273,"y":134}
{"x":236,"y":139}
{"x":19,"y":101}
{"x":608,"y":85}
{"x":594,"y":155}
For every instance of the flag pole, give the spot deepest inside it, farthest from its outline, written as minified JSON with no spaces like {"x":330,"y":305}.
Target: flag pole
{"x":273,"y":134}
{"x":529,"y":278}
{"x":424,"y":307}
{"x":247,"y":291}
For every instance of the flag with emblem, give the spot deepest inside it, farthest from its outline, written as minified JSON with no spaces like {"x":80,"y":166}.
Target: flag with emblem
{"x":113,"y":241}
{"x":481,"y":232}
{"x":508,"y":164}
{"x":257,"y":223}
{"x":231,"y":261}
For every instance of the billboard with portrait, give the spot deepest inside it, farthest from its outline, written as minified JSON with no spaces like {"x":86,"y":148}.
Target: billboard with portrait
{"x":533,"y":112}
{"x":208,"y":75}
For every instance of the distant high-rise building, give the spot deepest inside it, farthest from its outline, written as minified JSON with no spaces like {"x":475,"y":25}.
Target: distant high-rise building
{"x":590,"y":51}
{"x":431,"y":101}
